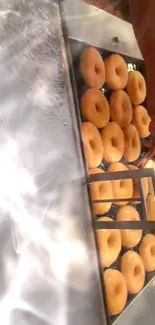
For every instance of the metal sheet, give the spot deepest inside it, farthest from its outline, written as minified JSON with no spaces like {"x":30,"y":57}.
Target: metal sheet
{"x":48,"y":260}
{"x":94,"y":26}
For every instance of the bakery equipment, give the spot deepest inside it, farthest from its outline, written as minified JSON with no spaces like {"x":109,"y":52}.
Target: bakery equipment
{"x":95,"y":32}
{"x":49,"y":265}
{"x":79,"y":88}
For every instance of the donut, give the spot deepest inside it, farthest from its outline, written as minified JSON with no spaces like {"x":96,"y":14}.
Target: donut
{"x":150,"y":203}
{"x":136,"y":87}
{"x":95,"y":107}
{"x":93,"y":145}
{"x":136,"y":187}
{"x":120,"y":108}
{"x":100,"y":191}
{"x":116,"y":72}
{"x":130,"y":238}
{"x":92,"y":68}
{"x":123,"y":188}
{"x":113,"y":142}
{"x":141,"y":120}
{"x":133,"y":271}
{"x":115,"y":291}
{"x":147,"y":252}
{"x":109,"y":243}
{"x":132,"y":142}
{"x":150,"y":164}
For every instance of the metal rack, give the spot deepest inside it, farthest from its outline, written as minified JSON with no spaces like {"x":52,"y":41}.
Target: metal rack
{"x":133,"y":174}
{"x":80,"y":21}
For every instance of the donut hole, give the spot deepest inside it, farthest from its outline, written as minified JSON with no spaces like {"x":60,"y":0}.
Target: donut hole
{"x":111,"y":241}
{"x":97,"y":69}
{"x":118,"y":289}
{"x":118,"y":71}
{"x":122,"y":183}
{"x":114,"y":142}
{"x":153,"y":251}
{"x":144,"y":120}
{"x":92,"y":144}
{"x":98,"y":108}
{"x":139,"y":85}
{"x":137,"y":270}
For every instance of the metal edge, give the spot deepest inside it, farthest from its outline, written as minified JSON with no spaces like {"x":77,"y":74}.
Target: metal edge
{"x":77,"y":133}
{"x":83,"y":17}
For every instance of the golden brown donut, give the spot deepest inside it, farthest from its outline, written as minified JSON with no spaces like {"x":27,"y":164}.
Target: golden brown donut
{"x":136,"y":87}
{"x":132,"y":143}
{"x":109,"y":242}
{"x":100,"y":191}
{"x":141,"y":120}
{"x":116,"y":72}
{"x":133,"y":271}
{"x":147,"y":252}
{"x":150,"y":203}
{"x":95,"y":107}
{"x":130,"y":238}
{"x":136,"y":188}
{"x":120,"y":108}
{"x":113,"y":142}
{"x":150,"y":164}
{"x":92,"y":68}
{"x":115,"y":291}
{"x":93,"y":145}
{"x":123,"y":188}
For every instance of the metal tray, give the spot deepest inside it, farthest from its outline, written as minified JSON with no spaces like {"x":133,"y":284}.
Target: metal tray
{"x":79,"y":87}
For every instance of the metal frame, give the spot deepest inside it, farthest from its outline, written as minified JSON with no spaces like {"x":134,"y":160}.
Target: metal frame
{"x":131,"y":174}
{"x":76,"y":28}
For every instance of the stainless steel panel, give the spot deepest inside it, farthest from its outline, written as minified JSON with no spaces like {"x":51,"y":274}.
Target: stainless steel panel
{"x":94,"y":26}
{"x":48,"y":261}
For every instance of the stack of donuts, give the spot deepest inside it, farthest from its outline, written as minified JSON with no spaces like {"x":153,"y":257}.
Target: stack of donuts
{"x":112,"y":131}
{"x":113,"y":128}
{"x":124,"y":272}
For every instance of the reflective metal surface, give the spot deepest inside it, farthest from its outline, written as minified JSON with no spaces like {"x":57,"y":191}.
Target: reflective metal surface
{"x":49,"y":272}
{"x":94,"y":26}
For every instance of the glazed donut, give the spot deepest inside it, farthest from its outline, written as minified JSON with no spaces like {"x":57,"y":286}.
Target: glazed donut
{"x":95,"y":108}
{"x":132,"y":143}
{"x":130,"y":238}
{"x":93,"y":145}
{"x":92,"y":68}
{"x":147,"y":252}
{"x":123,"y":188}
{"x":116,"y":72}
{"x":113,"y":142}
{"x":109,"y":242}
{"x":101,"y":191}
{"x":150,"y":203}
{"x":120,"y":108}
{"x":141,"y":120}
{"x":136,"y":188}
{"x":136,"y":87}
{"x":133,"y":271}
{"x":115,"y":291}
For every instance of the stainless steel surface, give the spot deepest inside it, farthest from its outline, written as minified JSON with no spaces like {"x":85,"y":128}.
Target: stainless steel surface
{"x":142,"y":311}
{"x":48,"y":260}
{"x":94,"y":26}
